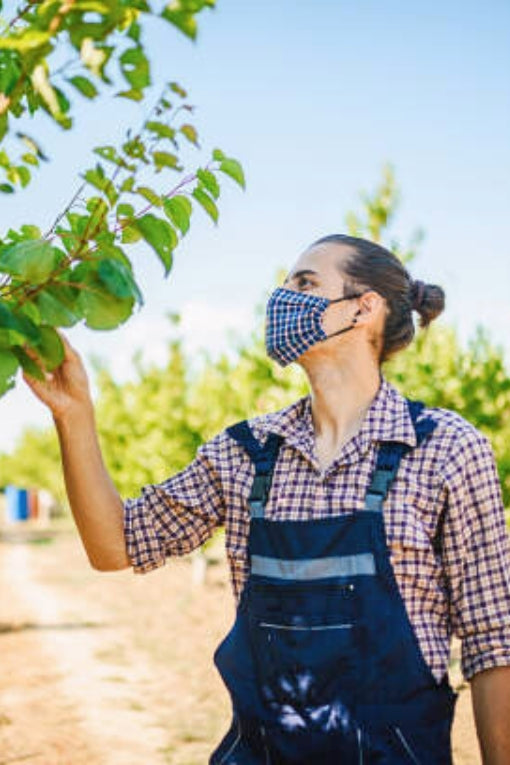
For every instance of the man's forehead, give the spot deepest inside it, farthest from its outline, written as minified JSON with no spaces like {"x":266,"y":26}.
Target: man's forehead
{"x":321,"y":259}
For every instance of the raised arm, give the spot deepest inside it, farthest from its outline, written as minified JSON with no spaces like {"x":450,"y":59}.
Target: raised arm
{"x":96,"y":505}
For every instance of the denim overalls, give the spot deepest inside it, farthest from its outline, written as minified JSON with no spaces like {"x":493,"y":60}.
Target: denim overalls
{"x":322,"y":663}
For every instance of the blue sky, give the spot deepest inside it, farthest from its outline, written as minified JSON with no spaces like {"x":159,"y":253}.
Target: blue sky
{"x":313,"y":98}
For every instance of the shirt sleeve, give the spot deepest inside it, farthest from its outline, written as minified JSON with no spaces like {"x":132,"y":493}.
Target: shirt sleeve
{"x":175,"y":516}
{"x":476,"y":548}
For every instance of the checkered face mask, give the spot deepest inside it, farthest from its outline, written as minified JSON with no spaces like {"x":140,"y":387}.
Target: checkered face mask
{"x":294,"y":323}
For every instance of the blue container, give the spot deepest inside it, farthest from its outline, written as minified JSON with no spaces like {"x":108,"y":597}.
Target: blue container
{"x":17,"y":504}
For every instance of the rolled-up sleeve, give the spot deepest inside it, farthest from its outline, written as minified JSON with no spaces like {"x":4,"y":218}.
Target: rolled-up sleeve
{"x":477,"y":556}
{"x":175,"y":516}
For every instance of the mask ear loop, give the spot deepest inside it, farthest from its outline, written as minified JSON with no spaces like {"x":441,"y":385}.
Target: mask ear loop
{"x":353,"y":320}
{"x":349,"y":297}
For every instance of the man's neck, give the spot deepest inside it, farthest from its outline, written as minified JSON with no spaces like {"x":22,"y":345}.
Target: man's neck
{"x":341,"y":397}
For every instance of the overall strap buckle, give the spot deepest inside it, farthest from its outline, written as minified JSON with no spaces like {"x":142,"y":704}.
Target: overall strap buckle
{"x":390,"y":455}
{"x":264,"y":458}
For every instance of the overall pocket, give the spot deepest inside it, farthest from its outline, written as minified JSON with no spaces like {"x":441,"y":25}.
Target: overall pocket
{"x":304,"y":645}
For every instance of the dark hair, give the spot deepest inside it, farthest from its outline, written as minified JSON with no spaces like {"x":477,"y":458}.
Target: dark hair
{"x":376,"y":268}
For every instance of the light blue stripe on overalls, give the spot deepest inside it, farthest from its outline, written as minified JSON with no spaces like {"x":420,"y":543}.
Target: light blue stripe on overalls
{"x":362,"y":564}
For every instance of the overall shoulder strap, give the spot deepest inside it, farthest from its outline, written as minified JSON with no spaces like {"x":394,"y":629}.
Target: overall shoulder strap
{"x":390,"y":455}
{"x":264,"y":458}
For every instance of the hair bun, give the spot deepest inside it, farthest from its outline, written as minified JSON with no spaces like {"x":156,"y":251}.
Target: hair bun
{"x":417,"y":294}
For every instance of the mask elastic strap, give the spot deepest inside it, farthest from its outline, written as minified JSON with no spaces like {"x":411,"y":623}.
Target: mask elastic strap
{"x":346,"y":329}
{"x":341,"y":331}
{"x":347,"y":297}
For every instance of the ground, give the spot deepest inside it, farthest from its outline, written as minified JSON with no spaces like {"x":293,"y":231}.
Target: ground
{"x":116,"y":669}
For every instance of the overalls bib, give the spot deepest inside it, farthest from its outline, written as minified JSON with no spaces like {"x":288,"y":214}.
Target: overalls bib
{"x":322,"y":663}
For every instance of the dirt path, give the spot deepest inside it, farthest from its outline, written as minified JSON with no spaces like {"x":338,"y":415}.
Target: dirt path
{"x":115,"y":669}
{"x":54,"y":651}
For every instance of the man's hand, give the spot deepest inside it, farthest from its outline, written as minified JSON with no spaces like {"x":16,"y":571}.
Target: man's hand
{"x":490,"y":691}
{"x":65,"y":388}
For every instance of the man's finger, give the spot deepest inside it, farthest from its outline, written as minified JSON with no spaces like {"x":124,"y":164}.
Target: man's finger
{"x":70,"y":351}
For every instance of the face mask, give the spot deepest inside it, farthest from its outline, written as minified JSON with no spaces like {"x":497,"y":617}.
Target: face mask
{"x":294,"y":323}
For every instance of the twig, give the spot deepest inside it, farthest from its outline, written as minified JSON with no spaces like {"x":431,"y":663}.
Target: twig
{"x":64,"y":212}
{"x":20,"y":15}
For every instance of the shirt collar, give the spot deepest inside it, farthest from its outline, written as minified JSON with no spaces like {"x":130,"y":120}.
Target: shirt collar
{"x":387,"y":419}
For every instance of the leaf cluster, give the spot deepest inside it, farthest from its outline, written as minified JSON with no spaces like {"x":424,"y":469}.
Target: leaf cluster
{"x":103,"y":42}
{"x":80,"y":269}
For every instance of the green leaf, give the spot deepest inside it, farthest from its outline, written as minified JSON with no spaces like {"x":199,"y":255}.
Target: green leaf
{"x":29,"y":309}
{"x":26,"y":40}
{"x":125,"y":210}
{"x":26,"y":328}
{"x":29,"y":231}
{"x":190,"y":133}
{"x":100,"y":308}
{"x":135,"y":68}
{"x":32,"y":260}
{"x":8,"y":367}
{"x":149,"y":195}
{"x":30,"y":159}
{"x":178,"y":209}
{"x":160,"y":129}
{"x":160,"y":236}
{"x":63,"y":101}
{"x":4,"y":125}
{"x":127,"y":185}
{"x":103,"y":311}
{"x":130,"y":234}
{"x":218,"y":155}
{"x":119,"y":280}
{"x":50,"y":348}
{"x":29,"y":366}
{"x":133,"y":94}
{"x":165,"y":159}
{"x":206,"y":202}
{"x":134,"y":31}
{"x":178,"y":89}
{"x":7,"y":318}
{"x":232,"y":168}
{"x":97,"y":178}
{"x":110,"y":154}
{"x":6,"y":188}
{"x":24,"y":175}
{"x":183,"y":20}
{"x":84,"y":86}
{"x":209,"y":181}
{"x":135,"y":148}
{"x":53,"y":311}
{"x":10,"y":71}
{"x":98,"y":210}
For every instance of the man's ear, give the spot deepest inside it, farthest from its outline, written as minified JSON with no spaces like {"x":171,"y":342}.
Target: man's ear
{"x":371,"y":306}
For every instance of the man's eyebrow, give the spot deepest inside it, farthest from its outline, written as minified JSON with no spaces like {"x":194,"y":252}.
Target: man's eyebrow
{"x":303,"y":272}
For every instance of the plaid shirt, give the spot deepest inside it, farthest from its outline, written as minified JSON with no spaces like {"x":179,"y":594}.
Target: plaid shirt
{"x":461,"y":586}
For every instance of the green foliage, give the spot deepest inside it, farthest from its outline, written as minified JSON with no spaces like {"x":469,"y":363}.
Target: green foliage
{"x":80,"y":270}
{"x":377,"y":215}
{"x":103,"y":41}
